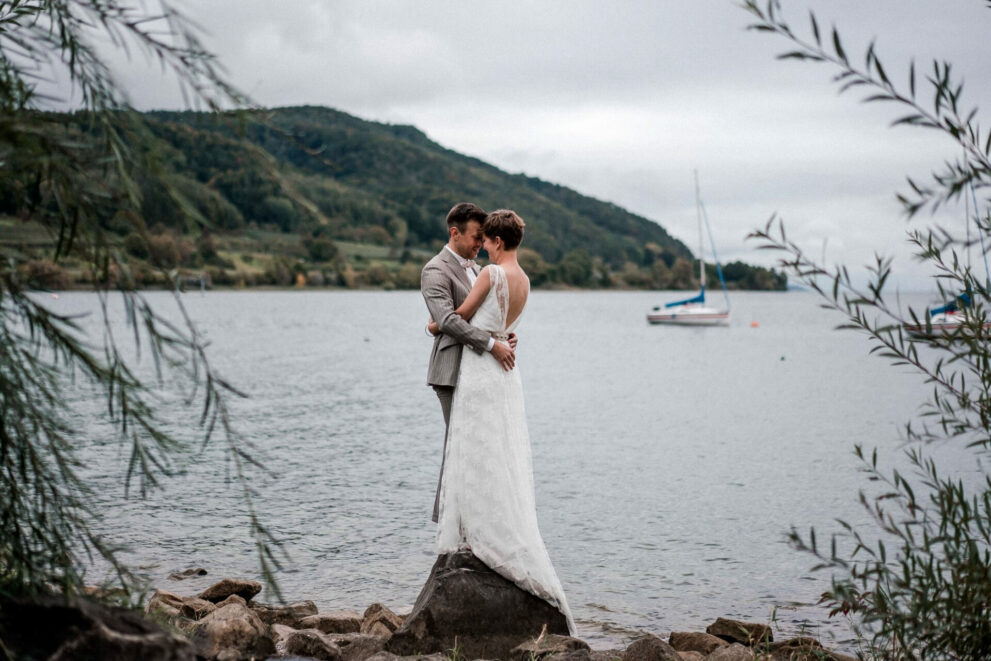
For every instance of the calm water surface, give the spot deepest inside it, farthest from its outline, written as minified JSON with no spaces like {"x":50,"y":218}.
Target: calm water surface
{"x":669,"y":462}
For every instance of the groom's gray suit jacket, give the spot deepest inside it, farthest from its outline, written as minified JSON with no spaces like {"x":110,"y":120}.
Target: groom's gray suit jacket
{"x":444,"y":285}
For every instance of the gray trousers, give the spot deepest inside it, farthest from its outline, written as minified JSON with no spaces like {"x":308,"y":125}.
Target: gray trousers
{"x":445,"y":394}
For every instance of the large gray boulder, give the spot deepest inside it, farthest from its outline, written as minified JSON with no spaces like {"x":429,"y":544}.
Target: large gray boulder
{"x":57,"y":629}
{"x":465,"y":600}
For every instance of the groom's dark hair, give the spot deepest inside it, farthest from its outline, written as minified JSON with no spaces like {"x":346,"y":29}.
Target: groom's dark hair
{"x":463,"y":212}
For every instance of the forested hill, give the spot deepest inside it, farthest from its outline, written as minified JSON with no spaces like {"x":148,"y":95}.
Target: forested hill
{"x":363,"y":175}
{"x":311,"y":195}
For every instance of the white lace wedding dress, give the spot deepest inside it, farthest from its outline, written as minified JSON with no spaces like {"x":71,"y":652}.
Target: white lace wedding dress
{"x":486,"y":499}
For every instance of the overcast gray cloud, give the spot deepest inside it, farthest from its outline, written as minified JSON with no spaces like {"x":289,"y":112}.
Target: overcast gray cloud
{"x":621,"y":100}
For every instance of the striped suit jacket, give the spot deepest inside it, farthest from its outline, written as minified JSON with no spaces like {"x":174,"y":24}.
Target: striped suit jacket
{"x":444,"y":286}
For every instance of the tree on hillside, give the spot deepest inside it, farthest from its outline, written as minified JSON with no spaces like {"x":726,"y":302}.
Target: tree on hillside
{"x":922,"y":588}
{"x":83,"y":182}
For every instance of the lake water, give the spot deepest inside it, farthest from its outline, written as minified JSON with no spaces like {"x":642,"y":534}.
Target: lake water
{"x":669,"y":462}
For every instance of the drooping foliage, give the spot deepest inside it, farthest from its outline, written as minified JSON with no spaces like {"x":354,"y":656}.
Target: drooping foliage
{"x":918,"y":585}
{"x":85,"y":179}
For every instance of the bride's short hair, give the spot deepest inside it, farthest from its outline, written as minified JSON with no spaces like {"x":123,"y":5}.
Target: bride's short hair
{"x":506,"y":225}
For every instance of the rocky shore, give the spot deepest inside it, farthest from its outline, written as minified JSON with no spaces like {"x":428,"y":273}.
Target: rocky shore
{"x":465,"y":611}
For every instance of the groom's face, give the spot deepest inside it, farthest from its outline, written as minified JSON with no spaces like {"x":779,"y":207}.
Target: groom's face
{"x":468,"y":242}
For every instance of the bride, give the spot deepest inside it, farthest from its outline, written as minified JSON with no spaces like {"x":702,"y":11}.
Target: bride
{"x":487,"y":497}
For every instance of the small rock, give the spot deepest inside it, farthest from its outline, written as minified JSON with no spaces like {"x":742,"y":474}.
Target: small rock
{"x":280,"y":632}
{"x":570,"y":655}
{"x":378,"y":629}
{"x":359,"y":646}
{"x":343,"y":621}
{"x":228,"y":586}
{"x":312,"y":643}
{"x":796,"y":649}
{"x":691,"y":655}
{"x":692,"y":641}
{"x":383,"y":656}
{"x":165,"y":602}
{"x":342,"y":640}
{"x":233,"y":599}
{"x":232,"y":630}
{"x":291,"y":614}
{"x":734,"y":631}
{"x":379,"y":613}
{"x":186,"y":573}
{"x":196,"y":609}
{"x":650,"y":648}
{"x":547,"y":645}
{"x":606,"y":655}
{"x":735,"y":652}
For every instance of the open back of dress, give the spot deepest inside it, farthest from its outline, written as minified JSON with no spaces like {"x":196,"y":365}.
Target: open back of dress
{"x":487,"y":497}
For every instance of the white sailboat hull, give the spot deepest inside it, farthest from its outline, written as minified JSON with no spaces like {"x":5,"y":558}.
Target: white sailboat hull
{"x":943,"y":323}
{"x":689,"y":315}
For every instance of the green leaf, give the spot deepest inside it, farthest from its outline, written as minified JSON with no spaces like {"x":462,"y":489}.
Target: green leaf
{"x":838,"y":46}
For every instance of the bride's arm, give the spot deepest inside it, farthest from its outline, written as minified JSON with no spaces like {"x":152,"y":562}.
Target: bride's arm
{"x":475,"y":297}
{"x":471,"y":303}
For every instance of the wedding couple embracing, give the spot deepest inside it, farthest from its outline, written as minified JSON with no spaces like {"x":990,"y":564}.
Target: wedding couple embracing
{"x":485,"y":496}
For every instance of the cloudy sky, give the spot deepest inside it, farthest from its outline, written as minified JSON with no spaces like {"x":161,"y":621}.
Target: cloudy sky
{"x":621,"y":100}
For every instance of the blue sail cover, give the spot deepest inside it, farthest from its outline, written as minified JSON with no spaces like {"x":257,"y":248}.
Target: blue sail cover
{"x":698,"y":299}
{"x":961,"y":300}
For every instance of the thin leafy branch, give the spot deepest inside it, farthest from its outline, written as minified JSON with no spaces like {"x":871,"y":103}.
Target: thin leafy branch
{"x":80,"y":180}
{"x":916,"y":583}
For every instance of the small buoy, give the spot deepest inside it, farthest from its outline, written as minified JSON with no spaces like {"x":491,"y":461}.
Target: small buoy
{"x":54,"y":295}
{"x":754,"y":324}
{"x":782,"y":357}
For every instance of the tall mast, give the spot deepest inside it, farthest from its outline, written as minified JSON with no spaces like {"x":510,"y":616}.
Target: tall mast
{"x":698,"y":215}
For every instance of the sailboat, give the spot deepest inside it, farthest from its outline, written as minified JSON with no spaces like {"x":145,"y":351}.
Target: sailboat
{"x":693,"y":311}
{"x":947,"y":319}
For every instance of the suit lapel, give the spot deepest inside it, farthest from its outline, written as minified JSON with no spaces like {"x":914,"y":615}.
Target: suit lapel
{"x":454,"y":267}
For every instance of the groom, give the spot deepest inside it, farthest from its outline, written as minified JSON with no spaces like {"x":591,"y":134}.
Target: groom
{"x":445,"y":282}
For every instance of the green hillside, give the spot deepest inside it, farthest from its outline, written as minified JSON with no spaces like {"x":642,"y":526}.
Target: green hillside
{"x":313,"y":195}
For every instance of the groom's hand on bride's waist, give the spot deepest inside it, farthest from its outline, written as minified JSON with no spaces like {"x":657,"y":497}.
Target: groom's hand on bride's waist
{"x":512,"y":341}
{"x":504,"y":354}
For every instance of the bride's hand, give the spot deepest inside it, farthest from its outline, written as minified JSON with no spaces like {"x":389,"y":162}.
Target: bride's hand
{"x":433,"y":328}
